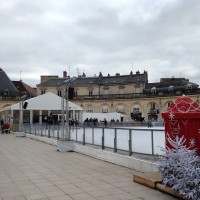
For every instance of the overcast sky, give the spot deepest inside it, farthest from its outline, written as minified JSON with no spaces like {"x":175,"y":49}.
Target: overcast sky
{"x":47,"y":37}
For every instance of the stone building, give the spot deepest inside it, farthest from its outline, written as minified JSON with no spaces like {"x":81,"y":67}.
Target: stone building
{"x":8,"y":92}
{"x":132,"y":95}
{"x":25,"y":89}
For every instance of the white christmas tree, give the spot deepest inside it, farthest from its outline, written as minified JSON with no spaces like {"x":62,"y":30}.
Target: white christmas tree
{"x":180,"y":168}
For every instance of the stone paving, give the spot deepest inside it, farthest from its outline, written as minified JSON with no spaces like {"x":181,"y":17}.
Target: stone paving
{"x":31,"y":170}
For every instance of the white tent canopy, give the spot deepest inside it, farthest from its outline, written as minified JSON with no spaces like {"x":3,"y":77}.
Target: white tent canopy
{"x":40,"y":106}
{"x":48,"y":101}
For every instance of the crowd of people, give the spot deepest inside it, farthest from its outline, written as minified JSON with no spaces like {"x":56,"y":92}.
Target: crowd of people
{"x":96,"y":122}
{"x":53,"y":120}
{"x":91,"y":122}
{"x":5,"y":127}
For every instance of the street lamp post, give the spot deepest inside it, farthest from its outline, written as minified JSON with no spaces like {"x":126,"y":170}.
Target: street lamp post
{"x":64,"y":144}
{"x":67,"y":113}
{"x":65,"y":101}
{"x":63,"y":114}
{"x":22,"y":99}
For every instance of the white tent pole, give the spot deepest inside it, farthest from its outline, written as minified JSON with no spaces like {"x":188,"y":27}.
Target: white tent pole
{"x":63,"y":114}
{"x":40,"y":116}
{"x":31,"y":116}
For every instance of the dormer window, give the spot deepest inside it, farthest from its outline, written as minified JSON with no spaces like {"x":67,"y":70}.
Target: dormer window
{"x":153,"y":90}
{"x":171,"y":88}
{"x":189,"y":86}
{"x":6,"y":92}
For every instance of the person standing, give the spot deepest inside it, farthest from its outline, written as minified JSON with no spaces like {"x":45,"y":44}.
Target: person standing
{"x":2,"y":124}
{"x":105,"y":122}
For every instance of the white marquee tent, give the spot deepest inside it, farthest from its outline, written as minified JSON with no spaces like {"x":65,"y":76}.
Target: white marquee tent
{"x":46,"y":102}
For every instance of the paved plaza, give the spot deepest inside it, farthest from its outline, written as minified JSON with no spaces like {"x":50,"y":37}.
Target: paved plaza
{"x":31,"y":170}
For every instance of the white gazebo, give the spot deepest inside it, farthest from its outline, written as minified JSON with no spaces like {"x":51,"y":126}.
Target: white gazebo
{"x":40,"y":106}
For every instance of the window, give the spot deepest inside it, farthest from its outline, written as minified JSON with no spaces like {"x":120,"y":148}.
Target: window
{"x":104,"y":109}
{"x":120,"y":109}
{"x":89,"y":109}
{"x":75,"y":93}
{"x":153,"y":90}
{"x":136,"y":110}
{"x":171,"y":88}
{"x":106,"y":90}
{"x":153,"y":106}
{"x":138,"y":89}
{"x":59,"y":93}
{"x":121,"y":89}
{"x":6,"y":92}
{"x":90,"y":93}
{"x":189,"y":87}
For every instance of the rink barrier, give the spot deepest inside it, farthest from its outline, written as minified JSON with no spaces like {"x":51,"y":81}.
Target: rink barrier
{"x":116,"y":138}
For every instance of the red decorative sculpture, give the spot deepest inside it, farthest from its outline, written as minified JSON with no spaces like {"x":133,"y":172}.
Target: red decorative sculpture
{"x":183,"y":119}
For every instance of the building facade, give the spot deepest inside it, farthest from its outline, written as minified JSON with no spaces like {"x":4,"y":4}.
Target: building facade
{"x":11,"y":91}
{"x":131,"y":95}
{"x":8,"y":92}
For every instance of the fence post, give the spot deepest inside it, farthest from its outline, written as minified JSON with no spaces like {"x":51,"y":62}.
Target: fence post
{"x":92,"y":135}
{"x":41,"y":129}
{"x":115,"y":141}
{"x":49,"y":131}
{"x":130,"y":143}
{"x":38,"y":131}
{"x":45,"y":132}
{"x":70,"y":132}
{"x":76,"y":133}
{"x":103,"y":147}
{"x":84,"y":135}
{"x":152,"y":142}
{"x":58,"y":132}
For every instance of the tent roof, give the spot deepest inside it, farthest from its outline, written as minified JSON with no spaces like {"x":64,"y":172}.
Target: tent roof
{"x":48,"y":101}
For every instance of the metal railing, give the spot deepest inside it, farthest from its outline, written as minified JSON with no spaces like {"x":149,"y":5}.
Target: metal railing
{"x":142,"y":140}
{"x":179,"y":92}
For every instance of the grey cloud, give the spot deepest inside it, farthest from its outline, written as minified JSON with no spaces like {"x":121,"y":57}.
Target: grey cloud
{"x":47,"y":36}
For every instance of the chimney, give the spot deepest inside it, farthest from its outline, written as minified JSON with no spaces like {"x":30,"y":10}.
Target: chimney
{"x":138,"y":72}
{"x":100,"y":75}
{"x":64,"y":74}
{"x":146,"y":76}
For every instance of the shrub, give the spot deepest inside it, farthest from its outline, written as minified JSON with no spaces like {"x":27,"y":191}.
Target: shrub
{"x":180,"y":168}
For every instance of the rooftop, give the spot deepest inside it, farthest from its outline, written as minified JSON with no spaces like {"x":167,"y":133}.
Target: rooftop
{"x":7,"y":86}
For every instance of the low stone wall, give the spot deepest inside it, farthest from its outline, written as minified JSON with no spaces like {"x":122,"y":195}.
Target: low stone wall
{"x":125,"y":161}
